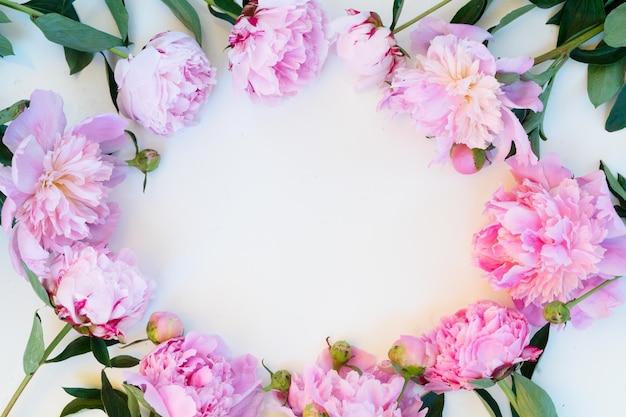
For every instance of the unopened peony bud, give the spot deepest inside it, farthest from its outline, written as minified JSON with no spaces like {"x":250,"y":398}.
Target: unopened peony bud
{"x":163,"y":326}
{"x":314,"y":410}
{"x":467,"y":160}
{"x":340,"y":352}
{"x":411,"y":356}
{"x":556,"y":312}
{"x":280,"y":381}
{"x":146,"y":160}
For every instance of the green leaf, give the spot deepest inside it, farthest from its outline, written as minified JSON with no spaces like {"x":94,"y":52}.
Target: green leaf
{"x":229,"y":6}
{"x":511,"y":16}
{"x":578,"y":15}
{"x":614,"y":184}
{"x":85,"y":393}
{"x":110,"y":73}
{"x":490,"y":403}
{"x":546,"y":4}
{"x":221,"y":15}
{"x":471,"y":12}
{"x":482,"y":383}
{"x":37,"y":287}
{"x":34,"y":348}
{"x":72,"y":34}
{"x":124,"y":361}
{"x":615,"y":27}
{"x":4,"y":18}
{"x":532,"y":400}
{"x":540,"y":340}
{"x":77,"y":60}
{"x":397,"y":10}
{"x":132,"y":402}
{"x":187,"y":15}
{"x":100,"y":351}
{"x":80,"y":404}
{"x":435,"y":404}
{"x":78,"y":346}
{"x":604,"y":81}
{"x":14,"y":110}
{"x":617,"y":116}
{"x":63,"y":7}
{"x":120,"y":16}
{"x":114,"y":405}
{"x":6,"y":48}
{"x":133,"y":391}
{"x":601,"y":55}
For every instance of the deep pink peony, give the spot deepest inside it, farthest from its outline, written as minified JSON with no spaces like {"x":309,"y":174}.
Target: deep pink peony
{"x":100,"y":293}
{"x":165,"y":84}
{"x":454,"y":96}
{"x":277,"y":47}
{"x":366,"y":47}
{"x":59,"y":182}
{"x":475,"y":343}
{"x":195,"y":376}
{"x":553,"y":237}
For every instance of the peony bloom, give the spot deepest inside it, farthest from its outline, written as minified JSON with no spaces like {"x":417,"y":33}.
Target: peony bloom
{"x":478,"y":342}
{"x":453,"y":94}
{"x":553,"y":237}
{"x":100,"y":293}
{"x":165,"y":84}
{"x":194,"y":376}
{"x":163,"y":326}
{"x":59,"y":182}
{"x":367,"y":48}
{"x":277,"y":47}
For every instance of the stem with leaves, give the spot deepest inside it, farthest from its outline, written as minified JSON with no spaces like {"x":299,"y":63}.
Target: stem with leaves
{"x":567,"y":47}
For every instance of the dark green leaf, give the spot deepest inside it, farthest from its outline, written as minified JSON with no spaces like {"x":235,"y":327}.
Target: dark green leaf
{"x":6,"y":48}
{"x":540,"y":340}
{"x":617,"y":116}
{"x":435,"y":404}
{"x":616,"y":187}
{"x":6,"y":155}
{"x":80,"y":404}
{"x":471,"y":12}
{"x":111,"y":82}
{"x":490,"y":403}
{"x":77,"y":347}
{"x":615,"y":27}
{"x":114,"y":405}
{"x":124,"y":361}
{"x":546,"y":4}
{"x":221,"y":15}
{"x":511,"y":16}
{"x":63,"y":7}
{"x":33,"y":354}
{"x":532,"y":400}
{"x":72,"y":34}
{"x":133,"y":391}
{"x":120,"y":15}
{"x":11,"y":112}
{"x":604,"y":81}
{"x":601,"y":55}
{"x":85,"y":393}
{"x":578,"y":15}
{"x":229,"y":6}
{"x":556,"y":19}
{"x":187,"y":15}
{"x":397,"y":10}
{"x":37,"y":287}
{"x":100,"y":351}
{"x":4,"y":18}
{"x":77,"y":60}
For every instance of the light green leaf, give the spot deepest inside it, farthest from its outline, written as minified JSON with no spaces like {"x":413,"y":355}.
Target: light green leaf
{"x":34,"y":348}
{"x":482,"y":383}
{"x":532,"y":400}
{"x":11,"y":112}
{"x":604,"y":81}
{"x":187,"y":15}
{"x":615,"y":27}
{"x":4,"y":18}
{"x":120,"y":15}
{"x":132,"y":402}
{"x":133,"y":391}
{"x":37,"y":287}
{"x":6,"y":48}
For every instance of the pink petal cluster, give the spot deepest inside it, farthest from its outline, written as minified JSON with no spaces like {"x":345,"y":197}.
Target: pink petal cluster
{"x":366,"y":47}
{"x":477,"y":342}
{"x":100,"y":293}
{"x":195,"y":376}
{"x":58,"y":184}
{"x":453,"y":94}
{"x":165,"y":84}
{"x":277,"y":47}
{"x":553,"y":237}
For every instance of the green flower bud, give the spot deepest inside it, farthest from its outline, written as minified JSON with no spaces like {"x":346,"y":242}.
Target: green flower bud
{"x":146,"y":160}
{"x":314,"y":410}
{"x":556,"y":312}
{"x":340,"y":352}
{"x":280,"y":381}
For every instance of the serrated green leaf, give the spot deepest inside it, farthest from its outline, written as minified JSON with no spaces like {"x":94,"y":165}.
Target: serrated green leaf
{"x":80,"y":404}
{"x":511,"y":16}
{"x":615,"y":27}
{"x":604,"y":81}
{"x":85,"y":393}
{"x":435,"y":404}
{"x":532,"y":400}
{"x":37,"y":286}
{"x":120,"y":16}
{"x":113,"y":403}
{"x":72,"y":34}
{"x":471,"y":12}
{"x":539,"y":340}
{"x":77,"y":60}
{"x":100,"y":351}
{"x":617,"y":116}
{"x":6,"y":48}
{"x":489,"y":402}
{"x":482,"y":383}
{"x":187,"y":15}
{"x":134,"y":391}
{"x":4,"y":18}
{"x":578,"y":15}
{"x":601,"y":55}
{"x":124,"y":361}
{"x":14,"y":110}
{"x":395,"y":13}
{"x":33,"y":354}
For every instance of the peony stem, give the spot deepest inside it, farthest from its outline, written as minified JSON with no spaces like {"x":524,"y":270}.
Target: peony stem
{"x":570,"y":45}
{"x":406,"y":383}
{"x":21,"y":8}
{"x":64,"y":331}
{"x":421,"y":16}
{"x":119,"y":53}
{"x":589,"y":293}
{"x":510,"y":395}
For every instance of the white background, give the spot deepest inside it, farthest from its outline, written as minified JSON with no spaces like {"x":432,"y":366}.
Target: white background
{"x":276,"y":227}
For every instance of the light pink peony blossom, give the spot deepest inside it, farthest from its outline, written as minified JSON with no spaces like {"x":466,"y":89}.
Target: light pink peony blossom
{"x":100,"y":293}
{"x":164,"y":86}
{"x":195,"y":376}
{"x":454,"y":96}
{"x":553,"y":237}
{"x":478,"y":342}
{"x":58,"y":185}
{"x":277,"y":47}
{"x":366,"y":47}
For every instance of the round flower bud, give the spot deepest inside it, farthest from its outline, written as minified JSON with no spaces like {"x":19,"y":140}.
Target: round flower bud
{"x":164,"y":326}
{"x":556,"y":312}
{"x":280,"y":381}
{"x":467,"y":160}
{"x":146,"y":160}
{"x":314,"y":410}
{"x":411,"y":356}
{"x":340,"y":352}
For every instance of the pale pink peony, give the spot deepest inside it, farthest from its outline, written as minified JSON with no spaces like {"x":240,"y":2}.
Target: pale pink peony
{"x":164,"y":86}
{"x":366,"y":47}
{"x":100,"y":293}
{"x":277,"y":47}
{"x":478,"y":342}
{"x":454,"y":96}
{"x":59,"y":182}
{"x":195,"y":376}
{"x":553,"y":237}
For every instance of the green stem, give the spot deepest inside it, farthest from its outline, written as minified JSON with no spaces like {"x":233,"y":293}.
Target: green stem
{"x":117,"y":52}
{"x":510,"y":395}
{"x":590,"y":292}
{"x":570,"y":45}
{"x":226,"y":12}
{"x":64,"y":331}
{"x":420,"y":16}
{"x":406,"y":383}
{"x":21,"y":8}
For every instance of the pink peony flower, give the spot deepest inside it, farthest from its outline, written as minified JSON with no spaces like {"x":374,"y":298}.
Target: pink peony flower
{"x":277,"y":47}
{"x":475,"y":343}
{"x":165,"y":84}
{"x":100,"y":293}
{"x":194,"y":376}
{"x":59,"y":182}
{"x":163,"y":326}
{"x":454,"y":96}
{"x":553,"y":237}
{"x":367,"y":47}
